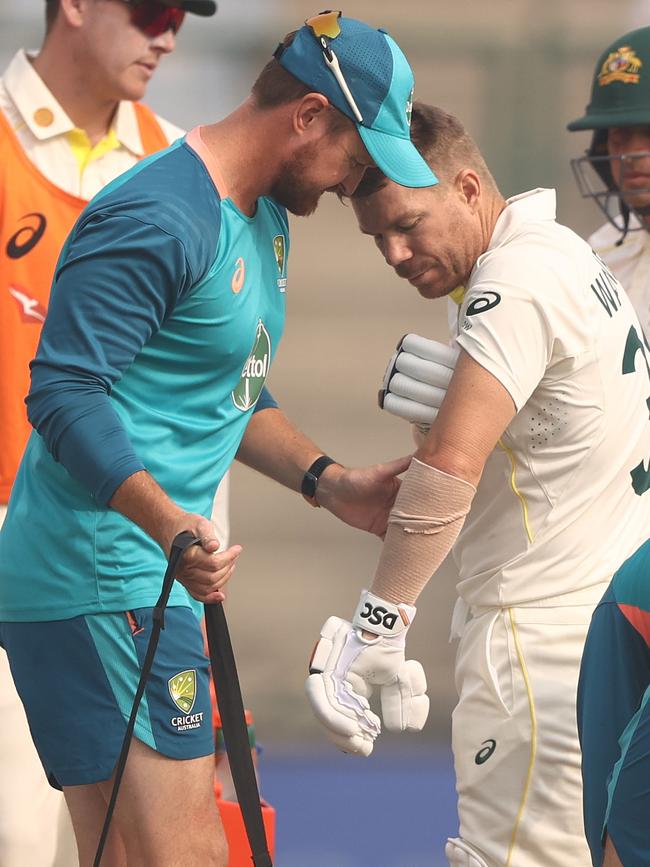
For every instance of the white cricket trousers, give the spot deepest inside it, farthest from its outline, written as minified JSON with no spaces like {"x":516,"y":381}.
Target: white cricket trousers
{"x":514,"y":733}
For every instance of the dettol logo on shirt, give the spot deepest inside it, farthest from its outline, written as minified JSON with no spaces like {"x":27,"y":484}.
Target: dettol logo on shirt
{"x":254,"y":371}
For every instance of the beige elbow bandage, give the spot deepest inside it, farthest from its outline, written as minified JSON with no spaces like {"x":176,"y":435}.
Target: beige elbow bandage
{"x":428,"y":514}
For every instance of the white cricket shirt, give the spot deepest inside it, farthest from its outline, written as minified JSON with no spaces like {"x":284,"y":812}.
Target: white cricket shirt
{"x":555,"y":510}
{"x":630,"y":262}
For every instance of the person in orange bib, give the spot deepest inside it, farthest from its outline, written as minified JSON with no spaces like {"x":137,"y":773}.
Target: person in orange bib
{"x":70,"y":122}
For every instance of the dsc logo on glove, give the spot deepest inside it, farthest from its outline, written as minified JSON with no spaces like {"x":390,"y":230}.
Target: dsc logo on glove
{"x":378,"y":616}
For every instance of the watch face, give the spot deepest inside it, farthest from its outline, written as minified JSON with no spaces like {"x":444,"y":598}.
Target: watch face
{"x":312,"y":475}
{"x":309,"y":484}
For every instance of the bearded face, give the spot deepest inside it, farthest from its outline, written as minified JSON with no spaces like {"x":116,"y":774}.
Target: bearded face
{"x":295,"y":187}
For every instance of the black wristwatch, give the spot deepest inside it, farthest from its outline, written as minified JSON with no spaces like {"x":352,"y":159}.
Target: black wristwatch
{"x":309,"y":483}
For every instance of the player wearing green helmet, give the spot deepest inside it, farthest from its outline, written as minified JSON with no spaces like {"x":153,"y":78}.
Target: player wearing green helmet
{"x":615,"y":170}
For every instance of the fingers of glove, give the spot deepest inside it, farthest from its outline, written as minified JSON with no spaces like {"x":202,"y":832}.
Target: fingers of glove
{"x":404,"y":703}
{"x":340,"y":699}
{"x":413,"y":389}
{"x":423,"y":370}
{"x":390,"y":368}
{"x":431,"y":350}
{"x":359,"y":685}
{"x":339,"y":709}
{"x":332,"y":637}
{"x":358,"y":745}
{"x":411,"y":410}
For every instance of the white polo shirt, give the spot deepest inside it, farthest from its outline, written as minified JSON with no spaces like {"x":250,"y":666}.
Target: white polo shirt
{"x":61,"y":151}
{"x":555,"y":510}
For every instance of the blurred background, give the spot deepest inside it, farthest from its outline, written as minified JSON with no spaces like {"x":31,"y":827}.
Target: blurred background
{"x":514,"y":71}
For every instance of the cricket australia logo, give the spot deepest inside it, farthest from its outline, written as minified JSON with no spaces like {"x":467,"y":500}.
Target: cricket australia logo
{"x":182,"y":689}
{"x":620,"y":65}
{"x":254,"y":371}
{"x":279,"y":248}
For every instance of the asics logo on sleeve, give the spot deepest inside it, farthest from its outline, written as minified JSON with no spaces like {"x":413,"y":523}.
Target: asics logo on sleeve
{"x":485,"y":302}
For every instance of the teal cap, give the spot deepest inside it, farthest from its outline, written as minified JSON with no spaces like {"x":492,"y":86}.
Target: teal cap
{"x":380,"y":82}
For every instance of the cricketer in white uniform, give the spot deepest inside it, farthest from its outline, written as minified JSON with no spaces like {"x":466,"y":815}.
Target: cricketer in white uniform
{"x":615,"y":170}
{"x":559,"y":503}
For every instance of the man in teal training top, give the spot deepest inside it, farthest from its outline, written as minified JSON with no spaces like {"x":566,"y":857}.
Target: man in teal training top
{"x":166,"y":311}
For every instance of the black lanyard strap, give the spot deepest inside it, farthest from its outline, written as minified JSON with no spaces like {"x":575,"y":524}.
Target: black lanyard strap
{"x":235,"y":731}
{"x":231,"y":708}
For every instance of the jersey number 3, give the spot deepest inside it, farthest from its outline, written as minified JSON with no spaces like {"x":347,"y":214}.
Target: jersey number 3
{"x":640,"y":475}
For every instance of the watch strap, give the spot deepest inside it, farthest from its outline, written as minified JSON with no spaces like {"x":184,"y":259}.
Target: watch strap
{"x":309,"y":483}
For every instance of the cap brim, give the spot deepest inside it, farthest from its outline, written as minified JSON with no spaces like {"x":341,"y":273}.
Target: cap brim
{"x":398,"y":158}
{"x":624,"y":117}
{"x":196,"y":7}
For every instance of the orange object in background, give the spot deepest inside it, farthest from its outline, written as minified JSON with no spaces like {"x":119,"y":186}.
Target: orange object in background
{"x":231,"y":815}
{"x":233,"y":823}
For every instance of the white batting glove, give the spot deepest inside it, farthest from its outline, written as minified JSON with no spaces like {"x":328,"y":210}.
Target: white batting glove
{"x":346,"y":668}
{"x":416,"y":379}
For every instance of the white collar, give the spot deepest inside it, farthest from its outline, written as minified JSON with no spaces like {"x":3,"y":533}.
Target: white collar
{"x":534,"y":205}
{"x":45,"y":117}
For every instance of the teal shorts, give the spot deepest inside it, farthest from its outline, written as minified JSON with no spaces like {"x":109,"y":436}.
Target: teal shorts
{"x":77,"y":680}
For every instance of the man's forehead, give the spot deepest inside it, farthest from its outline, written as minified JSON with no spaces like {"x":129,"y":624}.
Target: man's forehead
{"x":390,"y":206}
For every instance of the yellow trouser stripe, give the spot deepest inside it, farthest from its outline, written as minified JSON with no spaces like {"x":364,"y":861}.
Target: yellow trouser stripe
{"x":533,"y":737}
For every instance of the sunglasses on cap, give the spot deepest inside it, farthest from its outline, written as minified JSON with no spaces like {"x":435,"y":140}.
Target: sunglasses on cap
{"x":154,"y":18}
{"x":325,"y":27}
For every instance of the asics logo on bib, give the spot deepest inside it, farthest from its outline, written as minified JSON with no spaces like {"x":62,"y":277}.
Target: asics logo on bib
{"x":25,"y":239}
{"x":485,"y":752}
{"x":378,"y":616}
{"x":254,"y":371}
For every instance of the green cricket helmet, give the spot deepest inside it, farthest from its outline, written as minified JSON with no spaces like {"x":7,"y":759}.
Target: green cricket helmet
{"x":620,"y":96}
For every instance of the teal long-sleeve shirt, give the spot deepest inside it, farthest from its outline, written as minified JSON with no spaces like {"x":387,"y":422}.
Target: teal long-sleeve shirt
{"x":166,"y":310}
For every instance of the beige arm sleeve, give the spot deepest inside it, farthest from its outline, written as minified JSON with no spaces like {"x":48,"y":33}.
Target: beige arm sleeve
{"x":428,"y":514}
